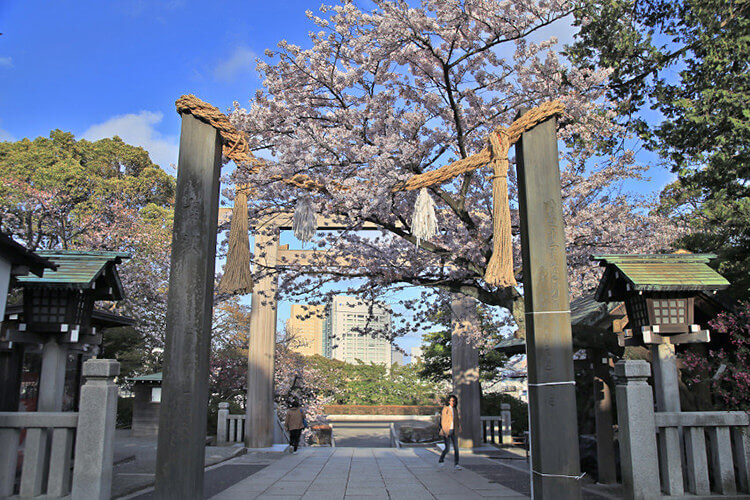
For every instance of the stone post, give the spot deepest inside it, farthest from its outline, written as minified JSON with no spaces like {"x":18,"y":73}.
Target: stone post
{"x":259,"y":421}
{"x":182,"y":420}
{"x":52,"y":378}
{"x":507,"y":438}
{"x":97,"y":416}
{"x":635,"y":415}
{"x":667,"y":390}
{"x":549,"y":346}
{"x":221,"y":423}
{"x":465,"y":367}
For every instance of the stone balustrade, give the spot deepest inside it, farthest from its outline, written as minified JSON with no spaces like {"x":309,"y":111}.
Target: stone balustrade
{"x":230,"y":427}
{"x":48,"y":446}
{"x":716,"y":444}
{"x":500,"y":424}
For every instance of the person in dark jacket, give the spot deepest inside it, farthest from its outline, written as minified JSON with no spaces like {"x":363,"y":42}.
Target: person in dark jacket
{"x":450,"y":426}
{"x":294,"y":423}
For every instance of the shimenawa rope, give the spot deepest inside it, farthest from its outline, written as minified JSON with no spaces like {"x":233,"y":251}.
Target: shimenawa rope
{"x":499,"y":270}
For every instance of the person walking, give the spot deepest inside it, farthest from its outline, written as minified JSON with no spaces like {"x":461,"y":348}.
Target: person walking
{"x":450,"y":426}
{"x":294,"y":423}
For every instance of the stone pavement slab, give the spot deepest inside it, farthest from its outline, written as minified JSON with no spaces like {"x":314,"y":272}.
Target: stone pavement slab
{"x":366,"y":473}
{"x":135,"y":464}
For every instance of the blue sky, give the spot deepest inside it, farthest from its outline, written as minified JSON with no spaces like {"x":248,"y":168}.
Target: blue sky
{"x":104,"y":68}
{"x":100,"y":68}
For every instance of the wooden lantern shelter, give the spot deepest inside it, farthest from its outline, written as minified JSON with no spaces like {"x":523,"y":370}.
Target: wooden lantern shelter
{"x":659,"y":292}
{"x":57,"y":316}
{"x":16,"y":260}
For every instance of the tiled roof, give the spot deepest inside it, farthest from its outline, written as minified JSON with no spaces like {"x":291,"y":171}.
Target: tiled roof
{"x":18,"y":255}
{"x":668,"y":272}
{"x":153,"y":377}
{"x":75,"y":269}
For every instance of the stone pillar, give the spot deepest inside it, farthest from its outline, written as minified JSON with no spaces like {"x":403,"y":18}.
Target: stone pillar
{"x":507,"y":437}
{"x":605,"y":440}
{"x":552,"y":401}
{"x":184,"y":403}
{"x":52,"y":378}
{"x":465,"y":367}
{"x":666,"y":383}
{"x":260,"y":416}
{"x":97,"y":417}
{"x":221,"y":423}
{"x":635,"y":416}
{"x":667,"y":391}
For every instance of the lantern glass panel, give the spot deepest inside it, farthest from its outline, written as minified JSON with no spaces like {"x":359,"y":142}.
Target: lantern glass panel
{"x":48,"y":306}
{"x":670,"y":311}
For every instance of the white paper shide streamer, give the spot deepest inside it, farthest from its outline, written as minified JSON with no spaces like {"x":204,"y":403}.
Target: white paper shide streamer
{"x":424,"y":221}
{"x":304,"y":222}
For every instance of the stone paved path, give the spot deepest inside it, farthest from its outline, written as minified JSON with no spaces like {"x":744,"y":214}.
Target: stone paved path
{"x":349,"y":473}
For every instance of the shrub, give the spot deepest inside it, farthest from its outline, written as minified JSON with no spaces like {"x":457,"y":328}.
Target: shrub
{"x":519,"y":411}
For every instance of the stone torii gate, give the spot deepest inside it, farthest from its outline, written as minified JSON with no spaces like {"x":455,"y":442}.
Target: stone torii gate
{"x":260,"y":416}
{"x":554,"y":435}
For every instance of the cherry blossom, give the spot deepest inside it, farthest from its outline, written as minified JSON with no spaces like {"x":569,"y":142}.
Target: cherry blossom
{"x":381,"y":95}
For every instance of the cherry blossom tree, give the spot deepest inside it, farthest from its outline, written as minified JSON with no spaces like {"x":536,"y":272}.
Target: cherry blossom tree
{"x":384,"y":94}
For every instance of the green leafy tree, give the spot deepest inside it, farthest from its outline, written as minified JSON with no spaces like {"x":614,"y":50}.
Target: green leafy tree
{"x":372,"y":384}
{"x":63,"y":193}
{"x":689,"y":61}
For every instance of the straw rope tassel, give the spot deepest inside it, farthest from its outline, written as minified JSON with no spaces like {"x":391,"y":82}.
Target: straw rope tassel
{"x":424,"y":220}
{"x":304,"y":220}
{"x":499,"y":270}
{"x":237,"y":278}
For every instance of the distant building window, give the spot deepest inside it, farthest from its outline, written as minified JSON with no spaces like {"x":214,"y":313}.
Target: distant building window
{"x":156,"y":394}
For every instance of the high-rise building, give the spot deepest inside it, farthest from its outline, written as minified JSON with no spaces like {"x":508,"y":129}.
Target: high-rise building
{"x":397,"y":357}
{"x":305,"y":325}
{"x":416,"y":354}
{"x":343,"y":315}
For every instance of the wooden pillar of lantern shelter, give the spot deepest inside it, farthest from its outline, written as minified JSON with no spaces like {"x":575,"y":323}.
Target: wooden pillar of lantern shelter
{"x":15,"y":260}
{"x":592,"y":323}
{"x":58,"y":314}
{"x":659,"y":292}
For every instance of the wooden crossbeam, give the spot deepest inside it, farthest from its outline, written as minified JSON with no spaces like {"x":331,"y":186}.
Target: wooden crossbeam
{"x":307,"y":258}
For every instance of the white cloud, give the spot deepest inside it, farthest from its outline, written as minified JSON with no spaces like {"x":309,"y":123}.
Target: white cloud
{"x":139,"y":130}
{"x":6,"y":62}
{"x":6,"y":136}
{"x":241,"y":61}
